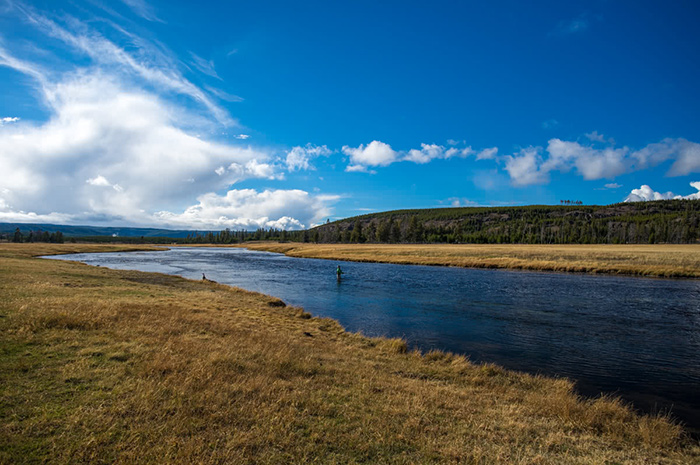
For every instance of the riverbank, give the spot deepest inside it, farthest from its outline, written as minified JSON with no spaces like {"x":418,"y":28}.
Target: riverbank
{"x":658,"y":260}
{"x":102,"y":365}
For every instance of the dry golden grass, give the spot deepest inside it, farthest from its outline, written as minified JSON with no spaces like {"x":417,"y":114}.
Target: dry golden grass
{"x":105,"y":366}
{"x":666,"y":260}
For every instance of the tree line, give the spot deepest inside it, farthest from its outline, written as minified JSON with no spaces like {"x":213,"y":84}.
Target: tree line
{"x":666,"y":221}
{"x":55,"y":237}
{"x":671,"y":221}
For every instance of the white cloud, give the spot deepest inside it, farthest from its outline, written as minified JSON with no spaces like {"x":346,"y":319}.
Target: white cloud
{"x":242,"y":136}
{"x":8,"y":120}
{"x":299,"y":158}
{"x":591,"y":163}
{"x":686,"y":155}
{"x":460,"y":202}
{"x":250,"y":209}
{"x":375,"y":154}
{"x":595,"y":137}
{"x":378,"y":153}
{"x":613,"y":185}
{"x":524,"y":168}
{"x":205,"y":66}
{"x":225,"y":96}
{"x":256,"y":169}
{"x":147,"y":61}
{"x":114,"y":149}
{"x":646,"y":193}
{"x":359,"y":169}
{"x":109,"y":136}
{"x":98,"y":181}
{"x":429,"y":152}
{"x":142,"y":9}
{"x":487,"y":154}
{"x":606,"y":162}
{"x":696,"y":195}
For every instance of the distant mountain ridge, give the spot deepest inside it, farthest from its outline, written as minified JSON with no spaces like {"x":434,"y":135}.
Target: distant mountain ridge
{"x":87,"y":231}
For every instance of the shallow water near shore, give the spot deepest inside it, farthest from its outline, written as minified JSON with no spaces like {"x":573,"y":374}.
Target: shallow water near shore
{"x":635,"y":337}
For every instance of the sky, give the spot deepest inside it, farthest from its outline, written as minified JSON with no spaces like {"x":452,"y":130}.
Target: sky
{"x":221,"y":114}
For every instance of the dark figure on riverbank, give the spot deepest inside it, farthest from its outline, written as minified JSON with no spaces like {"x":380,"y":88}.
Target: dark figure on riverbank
{"x":338,"y":272}
{"x":204,"y":278}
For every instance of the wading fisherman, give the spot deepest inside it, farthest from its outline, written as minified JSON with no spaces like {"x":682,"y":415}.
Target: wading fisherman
{"x":338,"y":272}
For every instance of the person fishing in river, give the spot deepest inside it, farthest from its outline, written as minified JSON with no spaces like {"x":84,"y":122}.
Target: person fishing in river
{"x":338,"y":272}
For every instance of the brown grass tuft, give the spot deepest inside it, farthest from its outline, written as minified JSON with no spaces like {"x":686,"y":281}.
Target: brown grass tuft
{"x":394,"y":345}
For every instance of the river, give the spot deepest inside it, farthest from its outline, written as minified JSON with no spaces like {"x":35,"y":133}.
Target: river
{"x":638,"y":338}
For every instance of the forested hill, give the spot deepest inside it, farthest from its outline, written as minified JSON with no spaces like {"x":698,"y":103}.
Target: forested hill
{"x":666,"y":221}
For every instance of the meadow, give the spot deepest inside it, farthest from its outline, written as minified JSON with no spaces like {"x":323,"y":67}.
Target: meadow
{"x":658,"y":260}
{"x":105,"y":366}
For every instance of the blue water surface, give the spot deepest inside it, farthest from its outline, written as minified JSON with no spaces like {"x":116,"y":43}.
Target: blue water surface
{"x":635,"y":337}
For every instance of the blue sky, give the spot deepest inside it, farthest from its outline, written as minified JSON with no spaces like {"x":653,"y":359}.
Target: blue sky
{"x":284,"y":114}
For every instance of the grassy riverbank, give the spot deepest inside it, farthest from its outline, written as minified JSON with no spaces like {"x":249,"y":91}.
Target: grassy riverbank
{"x":100,"y":365}
{"x":638,"y":260}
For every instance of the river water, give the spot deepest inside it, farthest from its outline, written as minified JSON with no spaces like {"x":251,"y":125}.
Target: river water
{"x":637,"y":338}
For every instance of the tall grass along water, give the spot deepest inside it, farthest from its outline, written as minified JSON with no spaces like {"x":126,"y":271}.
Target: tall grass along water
{"x":637,"y":338}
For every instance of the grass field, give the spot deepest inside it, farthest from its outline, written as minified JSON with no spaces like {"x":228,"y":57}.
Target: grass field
{"x":105,"y":366}
{"x":637,"y":260}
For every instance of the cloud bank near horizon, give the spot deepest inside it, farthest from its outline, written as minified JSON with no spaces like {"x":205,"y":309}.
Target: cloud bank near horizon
{"x":647,"y":194}
{"x":534,"y":165}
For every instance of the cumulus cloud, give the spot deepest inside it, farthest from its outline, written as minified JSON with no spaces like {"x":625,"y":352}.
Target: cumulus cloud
{"x":299,"y":158}
{"x":646,"y":193}
{"x":376,"y":153}
{"x":591,"y":163}
{"x":594,"y":162}
{"x":696,"y":195}
{"x":8,"y":120}
{"x":250,"y":209}
{"x":524,"y":168}
{"x":115,"y":147}
{"x":429,"y":152}
{"x":110,"y":136}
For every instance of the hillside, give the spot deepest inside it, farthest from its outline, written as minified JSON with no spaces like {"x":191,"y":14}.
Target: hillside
{"x":666,"y":221}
